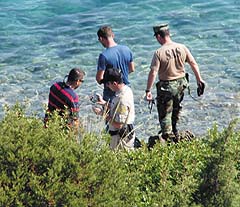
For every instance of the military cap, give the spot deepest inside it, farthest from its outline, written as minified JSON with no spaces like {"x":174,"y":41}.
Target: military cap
{"x":160,"y":27}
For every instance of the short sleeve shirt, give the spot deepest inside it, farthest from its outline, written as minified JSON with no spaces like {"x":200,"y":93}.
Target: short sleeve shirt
{"x":119,"y":56}
{"x":169,"y":61}
{"x":122,"y":107}
{"x":62,"y":97}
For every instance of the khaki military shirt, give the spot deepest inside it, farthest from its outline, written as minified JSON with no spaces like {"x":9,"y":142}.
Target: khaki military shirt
{"x":169,"y":61}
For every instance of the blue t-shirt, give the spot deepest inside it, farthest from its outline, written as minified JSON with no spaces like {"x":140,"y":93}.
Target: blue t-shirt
{"x":118,"y":57}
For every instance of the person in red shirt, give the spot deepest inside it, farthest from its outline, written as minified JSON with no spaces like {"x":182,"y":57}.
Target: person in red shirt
{"x":62,"y":97}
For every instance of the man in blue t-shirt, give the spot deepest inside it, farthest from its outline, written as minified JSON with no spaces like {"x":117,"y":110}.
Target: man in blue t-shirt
{"x":114,"y":56}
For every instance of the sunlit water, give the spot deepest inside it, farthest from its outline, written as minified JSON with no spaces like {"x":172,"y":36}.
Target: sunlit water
{"x":41,"y":40}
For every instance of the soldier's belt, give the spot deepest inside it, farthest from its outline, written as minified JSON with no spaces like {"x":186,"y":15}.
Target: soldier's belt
{"x":170,"y":81}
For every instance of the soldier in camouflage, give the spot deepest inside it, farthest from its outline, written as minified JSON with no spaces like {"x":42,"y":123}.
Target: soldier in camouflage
{"x":168,"y":64}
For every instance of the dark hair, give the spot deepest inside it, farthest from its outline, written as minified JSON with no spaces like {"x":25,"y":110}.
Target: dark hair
{"x":120,"y":78}
{"x":164,"y":33}
{"x":117,"y":80}
{"x":75,"y":74}
{"x":112,"y":75}
{"x":105,"y":32}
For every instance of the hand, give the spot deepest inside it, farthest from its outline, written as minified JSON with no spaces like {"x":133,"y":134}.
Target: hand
{"x":98,"y":99}
{"x":201,"y":87}
{"x":148,"y":96}
{"x":97,"y":110}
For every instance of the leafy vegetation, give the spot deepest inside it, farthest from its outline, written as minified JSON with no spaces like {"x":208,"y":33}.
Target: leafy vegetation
{"x":48,"y":167}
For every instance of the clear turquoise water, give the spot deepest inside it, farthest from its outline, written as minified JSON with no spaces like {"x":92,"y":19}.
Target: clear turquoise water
{"x":41,"y":40}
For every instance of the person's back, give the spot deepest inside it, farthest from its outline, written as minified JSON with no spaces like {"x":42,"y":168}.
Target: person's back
{"x":118,"y":56}
{"x":172,"y":58}
{"x":62,"y":97}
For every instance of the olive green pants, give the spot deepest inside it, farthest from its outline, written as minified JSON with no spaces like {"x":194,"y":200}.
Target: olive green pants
{"x":169,"y":96}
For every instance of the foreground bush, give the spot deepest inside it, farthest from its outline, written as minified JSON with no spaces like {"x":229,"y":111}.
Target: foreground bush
{"x":47,"y":167}
{"x":220,"y":178}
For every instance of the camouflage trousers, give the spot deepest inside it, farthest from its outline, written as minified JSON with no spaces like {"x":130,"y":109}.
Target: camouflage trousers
{"x":169,"y":97}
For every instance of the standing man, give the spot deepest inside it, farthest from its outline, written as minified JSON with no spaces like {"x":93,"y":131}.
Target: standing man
{"x":168,"y":64}
{"x":114,"y":56}
{"x":63,"y":99}
{"x":121,"y":111}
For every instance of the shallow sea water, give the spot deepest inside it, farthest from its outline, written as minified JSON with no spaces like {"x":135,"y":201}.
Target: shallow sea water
{"x":41,"y":40}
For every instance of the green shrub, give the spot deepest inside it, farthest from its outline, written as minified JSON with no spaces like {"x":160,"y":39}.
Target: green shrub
{"x":220,"y":183}
{"x":48,"y":167}
{"x":38,"y":165}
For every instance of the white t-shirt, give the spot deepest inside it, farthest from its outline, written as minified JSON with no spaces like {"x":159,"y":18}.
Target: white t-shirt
{"x":122,"y":107}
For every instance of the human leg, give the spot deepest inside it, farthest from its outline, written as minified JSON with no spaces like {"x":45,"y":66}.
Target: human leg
{"x":165,"y":109}
{"x":175,"y":114}
{"x":114,"y":141}
{"x":178,"y":94}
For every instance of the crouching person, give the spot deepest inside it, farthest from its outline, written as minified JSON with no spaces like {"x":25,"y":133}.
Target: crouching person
{"x":121,"y":113}
{"x":64,"y":99}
